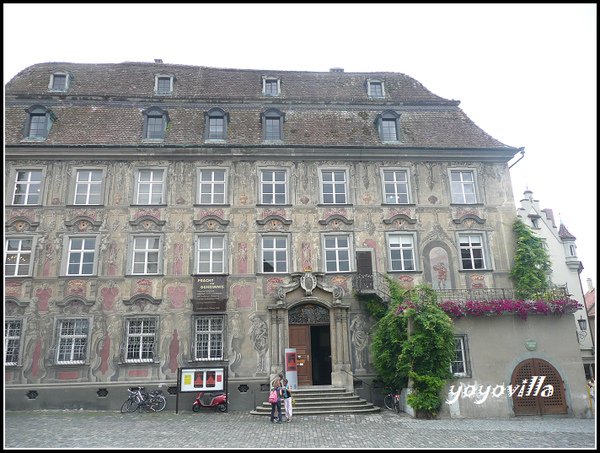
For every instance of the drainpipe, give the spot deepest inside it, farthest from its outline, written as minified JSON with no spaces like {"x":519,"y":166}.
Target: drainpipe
{"x":522,"y":151}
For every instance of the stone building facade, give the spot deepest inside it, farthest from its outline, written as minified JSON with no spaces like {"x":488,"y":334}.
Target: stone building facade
{"x":164,"y":216}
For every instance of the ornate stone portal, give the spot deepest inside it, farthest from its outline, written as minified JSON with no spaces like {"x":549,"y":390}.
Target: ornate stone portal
{"x":308,"y":299}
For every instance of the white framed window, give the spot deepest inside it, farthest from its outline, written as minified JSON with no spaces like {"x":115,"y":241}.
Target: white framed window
{"x":460,"y":366}
{"x":337,"y":251}
{"x":89,"y":186}
{"x":150,"y":186}
{"x":81,"y":255}
{"x":472,"y":255}
{"x":212,"y":186}
{"x":59,"y":81}
{"x":28,"y":188}
{"x":146,"y":256}
{"x":387,"y":124}
{"x":401,"y":252}
{"x":271,"y":86}
{"x":334,"y":186}
{"x":13,"y":332}
{"x":18,"y":257}
{"x":463,"y":186}
{"x":274,"y":254}
{"x":273,"y":187}
{"x":163,"y":84}
{"x":210,"y":254}
{"x":73,"y":340}
{"x":395,"y":186}
{"x":375,"y":89}
{"x":208,"y":337}
{"x":141,"y":340}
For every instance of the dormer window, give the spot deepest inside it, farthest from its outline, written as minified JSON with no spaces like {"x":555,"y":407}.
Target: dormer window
{"x":59,"y":81}
{"x":163,"y":84}
{"x":271,"y":86}
{"x":375,"y":89}
{"x":39,"y":122}
{"x":387,"y":126}
{"x":215,"y":124}
{"x":272,"y":121}
{"x":155,"y":123}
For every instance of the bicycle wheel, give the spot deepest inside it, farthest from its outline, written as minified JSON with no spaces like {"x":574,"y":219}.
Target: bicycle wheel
{"x":130,"y":405}
{"x":388,"y":401}
{"x":157,"y":403}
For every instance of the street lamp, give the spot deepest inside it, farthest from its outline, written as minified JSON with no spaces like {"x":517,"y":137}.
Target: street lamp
{"x":582,"y":323}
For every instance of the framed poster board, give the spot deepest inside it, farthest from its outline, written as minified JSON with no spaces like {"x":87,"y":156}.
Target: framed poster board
{"x":201,"y":379}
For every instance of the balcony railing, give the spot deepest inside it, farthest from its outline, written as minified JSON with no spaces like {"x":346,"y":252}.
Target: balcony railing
{"x":377,"y":284}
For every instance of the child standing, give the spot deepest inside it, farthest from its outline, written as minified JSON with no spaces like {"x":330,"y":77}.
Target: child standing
{"x":287,"y":400}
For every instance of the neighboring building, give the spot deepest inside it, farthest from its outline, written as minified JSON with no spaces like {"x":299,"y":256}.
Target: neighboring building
{"x":590,"y":306}
{"x":166,"y":216}
{"x":566,"y":267}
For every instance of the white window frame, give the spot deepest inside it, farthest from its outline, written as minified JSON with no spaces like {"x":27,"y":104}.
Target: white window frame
{"x":370,"y":83}
{"x":462,"y":349}
{"x":272,"y":184}
{"x":334,"y":184}
{"x":51,"y":84}
{"x":30,"y":187}
{"x":471,"y":247}
{"x":87,"y":185}
{"x":18,"y":254}
{"x":397,"y":241}
{"x":146,"y":252}
{"x":211,"y":251}
{"x":387,"y":198}
{"x":68,"y":251}
{"x":141,"y":344}
{"x":337,"y":250}
{"x":275,"y":250}
{"x":211,"y":183}
{"x":269,"y":80}
{"x":13,"y":341}
{"x":213,"y":337}
{"x":72,"y":340}
{"x":162,"y":183}
{"x":157,"y":77}
{"x":459,"y":196}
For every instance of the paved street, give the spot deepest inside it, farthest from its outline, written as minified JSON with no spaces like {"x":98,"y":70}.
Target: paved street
{"x":207,"y":429}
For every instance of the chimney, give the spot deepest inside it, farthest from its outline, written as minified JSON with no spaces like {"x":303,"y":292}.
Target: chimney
{"x":158,"y":60}
{"x":590,"y":285}
{"x":336,"y":70}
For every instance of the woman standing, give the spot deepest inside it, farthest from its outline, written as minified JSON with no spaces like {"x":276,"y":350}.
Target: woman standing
{"x":276,"y":405}
{"x":287,"y":400}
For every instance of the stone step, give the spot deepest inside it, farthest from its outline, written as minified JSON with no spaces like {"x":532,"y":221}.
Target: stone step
{"x":326,"y":410}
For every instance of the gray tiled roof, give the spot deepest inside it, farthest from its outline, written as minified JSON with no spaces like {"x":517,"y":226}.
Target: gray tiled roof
{"x":104,"y":105}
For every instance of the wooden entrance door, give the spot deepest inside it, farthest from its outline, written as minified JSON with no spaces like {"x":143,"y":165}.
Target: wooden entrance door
{"x":300,"y":339}
{"x":538,"y":405}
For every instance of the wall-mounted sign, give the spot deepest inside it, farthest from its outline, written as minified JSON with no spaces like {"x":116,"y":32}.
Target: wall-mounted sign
{"x":209,"y":293}
{"x":202,"y":379}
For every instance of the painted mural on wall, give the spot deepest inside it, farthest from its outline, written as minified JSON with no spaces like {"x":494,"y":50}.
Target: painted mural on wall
{"x":440,"y":265}
{"x":259,"y":334}
{"x":360,"y":341}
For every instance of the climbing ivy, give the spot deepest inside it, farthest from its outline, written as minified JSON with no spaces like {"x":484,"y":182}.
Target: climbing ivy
{"x":532,"y":264}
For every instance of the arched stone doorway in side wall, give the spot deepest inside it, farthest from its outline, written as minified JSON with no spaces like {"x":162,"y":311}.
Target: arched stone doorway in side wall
{"x":535,"y":375}
{"x":310,"y":335}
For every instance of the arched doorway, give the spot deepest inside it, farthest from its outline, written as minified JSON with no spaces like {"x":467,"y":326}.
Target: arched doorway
{"x":532,"y":376}
{"x":309,"y":334}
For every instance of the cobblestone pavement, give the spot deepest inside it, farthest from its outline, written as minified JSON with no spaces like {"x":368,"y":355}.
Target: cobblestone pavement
{"x":239,"y":430}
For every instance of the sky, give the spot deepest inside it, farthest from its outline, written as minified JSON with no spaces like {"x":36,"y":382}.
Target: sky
{"x":524,"y":73}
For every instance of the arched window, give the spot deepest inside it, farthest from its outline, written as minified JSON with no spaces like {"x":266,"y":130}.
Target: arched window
{"x":155,"y":123}
{"x":215,"y":124}
{"x":387,"y":124}
{"x":272,"y":123}
{"x":39,"y":122}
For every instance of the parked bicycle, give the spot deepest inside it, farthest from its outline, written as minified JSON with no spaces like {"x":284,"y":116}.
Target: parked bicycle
{"x":392,"y":402}
{"x":154,"y":401}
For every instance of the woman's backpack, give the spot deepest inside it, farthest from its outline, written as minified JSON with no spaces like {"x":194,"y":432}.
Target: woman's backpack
{"x":273,"y":396}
